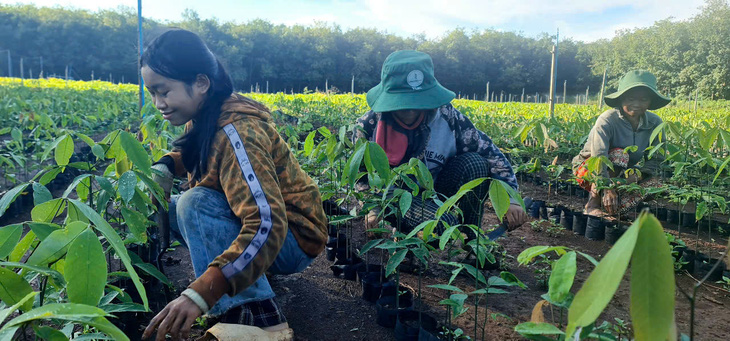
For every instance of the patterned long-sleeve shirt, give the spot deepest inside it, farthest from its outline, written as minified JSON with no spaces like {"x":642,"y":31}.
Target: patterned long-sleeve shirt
{"x":445,"y":133}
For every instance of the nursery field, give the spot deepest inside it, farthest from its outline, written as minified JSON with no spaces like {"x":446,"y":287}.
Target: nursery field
{"x":81,"y":258}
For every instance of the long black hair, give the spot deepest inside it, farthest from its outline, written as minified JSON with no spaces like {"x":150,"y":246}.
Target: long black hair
{"x":181,"y":55}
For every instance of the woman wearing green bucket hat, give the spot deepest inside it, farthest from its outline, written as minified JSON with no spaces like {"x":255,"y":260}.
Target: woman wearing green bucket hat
{"x":628,"y":123}
{"x":411,"y":116}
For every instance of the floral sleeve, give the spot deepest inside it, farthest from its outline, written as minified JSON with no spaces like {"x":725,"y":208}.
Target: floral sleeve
{"x":470,"y":139}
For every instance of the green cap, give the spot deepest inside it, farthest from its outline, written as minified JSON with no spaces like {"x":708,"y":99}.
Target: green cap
{"x":407,"y":82}
{"x":633,"y":79}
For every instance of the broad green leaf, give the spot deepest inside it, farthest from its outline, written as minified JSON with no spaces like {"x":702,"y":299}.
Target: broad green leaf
{"x":405,"y":202}
{"x":88,"y":140}
{"x":48,"y":210}
{"x":701,"y":210}
{"x":446,"y":287}
{"x":75,"y":183}
{"x":64,"y":150}
{"x":394,"y":261}
{"x":50,"y":334}
{"x":487,"y":291}
{"x":13,"y":288}
{"x":376,"y":156}
{"x":427,"y":227}
{"x":117,"y":244}
{"x":50,"y":175}
{"x":127,"y":184}
{"x":154,"y":187}
{"x":652,"y":283}
{"x":56,"y":244}
{"x":136,"y":153}
{"x":9,"y":237}
{"x":532,"y":328}
{"x":309,"y":143}
{"x":55,"y":275}
{"x":562,"y":276}
{"x":602,"y":283}
{"x":353,"y":164}
{"x":149,"y":269}
{"x":7,"y":311}
{"x":10,"y":196}
{"x":137,"y":224}
{"x":22,"y":247}
{"x":369,"y":245}
{"x":85,"y":269}
{"x":123,"y":308}
{"x":41,"y":194}
{"x":98,"y":151}
{"x":526,"y":256}
{"x":512,"y":279}
{"x":114,"y":149}
{"x":61,"y":311}
{"x":446,"y":236}
{"x":499,"y":198}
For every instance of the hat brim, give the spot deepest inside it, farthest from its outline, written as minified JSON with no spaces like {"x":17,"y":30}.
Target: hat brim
{"x":383,"y":101}
{"x":658,"y":100}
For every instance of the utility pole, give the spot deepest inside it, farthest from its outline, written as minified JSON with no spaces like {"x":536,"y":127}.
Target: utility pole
{"x":522,"y":99}
{"x":587,"y":88}
{"x":22,"y":73}
{"x":553,"y":74}
{"x":352,"y":85}
{"x":565,"y":85}
{"x":267,"y":87}
{"x":487,"y":91}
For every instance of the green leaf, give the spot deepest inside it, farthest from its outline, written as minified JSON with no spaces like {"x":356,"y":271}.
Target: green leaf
{"x":55,"y":275}
{"x":48,"y":210}
{"x":64,"y":150}
{"x":7,"y":311}
{"x":85,"y":269}
{"x":602,"y":283}
{"x":13,"y":288}
{"x":136,"y":153}
{"x":22,"y":247}
{"x":127,"y":183}
{"x":652,"y":283}
{"x":309,"y":143}
{"x":56,"y":244}
{"x":98,"y":151}
{"x":532,"y":328}
{"x":499,"y":198}
{"x":445,"y":287}
{"x":394,"y":261}
{"x":41,"y":194}
{"x":10,"y":196}
{"x":61,"y":311}
{"x":369,"y":245}
{"x":50,"y":175}
{"x":123,"y":308}
{"x":562,"y":276}
{"x":512,"y":279}
{"x":9,"y":237}
{"x":74,"y":183}
{"x":353,"y":164}
{"x":137,"y":224}
{"x":446,"y":236}
{"x":589,"y":258}
{"x":405,"y":202}
{"x":50,"y":334}
{"x":376,"y":156}
{"x":116,"y":242}
{"x":526,"y":256}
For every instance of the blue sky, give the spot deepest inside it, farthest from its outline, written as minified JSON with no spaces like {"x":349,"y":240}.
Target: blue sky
{"x":579,"y":19}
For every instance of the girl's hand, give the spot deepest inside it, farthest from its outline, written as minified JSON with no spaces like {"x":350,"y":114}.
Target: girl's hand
{"x":610,"y":201}
{"x":176,"y":319}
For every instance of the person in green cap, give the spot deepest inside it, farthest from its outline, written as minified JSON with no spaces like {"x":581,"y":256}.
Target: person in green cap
{"x":411,"y":116}
{"x":628,"y":123}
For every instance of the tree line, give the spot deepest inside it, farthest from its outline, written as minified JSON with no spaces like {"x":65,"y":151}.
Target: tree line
{"x":688,"y":57}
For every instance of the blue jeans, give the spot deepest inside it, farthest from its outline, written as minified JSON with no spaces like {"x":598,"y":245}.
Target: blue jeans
{"x":202,"y":221}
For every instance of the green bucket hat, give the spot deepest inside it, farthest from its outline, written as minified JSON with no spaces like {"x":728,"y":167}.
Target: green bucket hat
{"x":407,"y":82}
{"x":634,"y":79}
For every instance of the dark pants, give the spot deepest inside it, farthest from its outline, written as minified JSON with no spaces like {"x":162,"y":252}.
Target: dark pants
{"x":458,"y":171}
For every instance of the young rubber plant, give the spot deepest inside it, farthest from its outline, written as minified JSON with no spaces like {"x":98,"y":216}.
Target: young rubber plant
{"x":652,"y":288}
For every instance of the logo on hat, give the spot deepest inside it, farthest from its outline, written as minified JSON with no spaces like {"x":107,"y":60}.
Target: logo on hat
{"x":415,"y":79}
